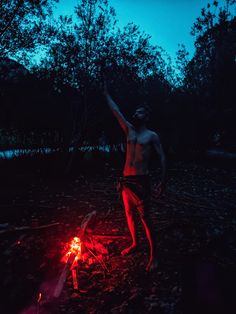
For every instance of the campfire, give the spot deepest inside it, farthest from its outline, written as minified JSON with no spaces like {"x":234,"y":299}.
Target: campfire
{"x":81,"y":251}
{"x":84,"y":255}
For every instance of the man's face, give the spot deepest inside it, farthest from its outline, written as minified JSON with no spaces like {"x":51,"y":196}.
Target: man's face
{"x":139,"y":116}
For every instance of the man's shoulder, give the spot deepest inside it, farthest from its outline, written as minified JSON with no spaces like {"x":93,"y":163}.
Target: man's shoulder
{"x":153,"y":134}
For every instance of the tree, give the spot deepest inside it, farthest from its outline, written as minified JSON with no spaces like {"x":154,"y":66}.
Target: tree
{"x":210,"y":74}
{"x":20,"y":24}
{"x":215,"y":44}
{"x":81,"y":51}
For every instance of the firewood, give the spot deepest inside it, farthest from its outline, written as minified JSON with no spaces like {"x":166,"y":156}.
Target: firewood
{"x":28,"y":228}
{"x":63,"y":276}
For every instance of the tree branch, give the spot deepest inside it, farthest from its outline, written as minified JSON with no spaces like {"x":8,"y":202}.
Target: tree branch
{"x":11,"y":18}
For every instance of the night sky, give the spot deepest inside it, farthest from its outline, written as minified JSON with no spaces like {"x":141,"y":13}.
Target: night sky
{"x":167,"y":21}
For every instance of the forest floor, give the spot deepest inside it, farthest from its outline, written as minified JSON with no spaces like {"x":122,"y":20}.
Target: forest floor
{"x":195,"y":221}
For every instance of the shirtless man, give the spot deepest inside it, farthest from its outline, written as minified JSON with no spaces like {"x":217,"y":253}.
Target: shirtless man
{"x":135,"y":184}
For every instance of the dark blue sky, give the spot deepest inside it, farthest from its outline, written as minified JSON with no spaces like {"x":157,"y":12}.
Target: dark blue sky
{"x":167,"y":21}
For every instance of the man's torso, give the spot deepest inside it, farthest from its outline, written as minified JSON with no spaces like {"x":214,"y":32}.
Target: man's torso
{"x":138,"y":152}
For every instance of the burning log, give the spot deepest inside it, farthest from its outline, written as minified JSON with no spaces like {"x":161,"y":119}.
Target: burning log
{"x":74,"y":254}
{"x":61,"y":281}
{"x":75,"y":279}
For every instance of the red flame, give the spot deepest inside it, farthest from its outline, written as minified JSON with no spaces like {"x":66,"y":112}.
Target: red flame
{"x":75,"y":248}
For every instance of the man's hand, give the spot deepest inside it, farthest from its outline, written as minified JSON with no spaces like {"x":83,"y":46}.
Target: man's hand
{"x":159,"y":189}
{"x":115,"y":109}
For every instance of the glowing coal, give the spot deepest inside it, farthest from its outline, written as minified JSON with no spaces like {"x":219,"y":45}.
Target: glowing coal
{"x":73,"y":251}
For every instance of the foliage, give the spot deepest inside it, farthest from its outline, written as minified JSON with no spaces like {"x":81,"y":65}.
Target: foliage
{"x":215,"y":47}
{"x":190,"y":101}
{"x":82,"y":52}
{"x":182,"y":60}
{"x":79,"y":50}
{"x":209,"y":76}
{"x":20,"y":24}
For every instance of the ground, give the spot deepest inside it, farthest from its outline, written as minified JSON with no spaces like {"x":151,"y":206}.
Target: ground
{"x":195,"y":221}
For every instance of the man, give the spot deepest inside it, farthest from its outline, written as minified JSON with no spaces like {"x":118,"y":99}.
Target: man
{"x":135,"y":184}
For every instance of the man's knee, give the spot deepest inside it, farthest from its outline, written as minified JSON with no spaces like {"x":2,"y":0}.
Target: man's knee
{"x":128,"y":211}
{"x":143,"y":211}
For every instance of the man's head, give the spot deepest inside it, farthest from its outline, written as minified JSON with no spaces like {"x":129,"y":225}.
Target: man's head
{"x":141,"y":115}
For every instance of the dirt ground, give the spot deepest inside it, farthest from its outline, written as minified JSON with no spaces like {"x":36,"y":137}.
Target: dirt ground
{"x":195,"y":221}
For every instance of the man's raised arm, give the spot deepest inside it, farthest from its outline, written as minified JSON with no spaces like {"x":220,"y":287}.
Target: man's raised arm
{"x":116,"y":111}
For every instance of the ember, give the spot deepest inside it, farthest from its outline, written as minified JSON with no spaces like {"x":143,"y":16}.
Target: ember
{"x":82,"y":248}
{"x":74,"y":251}
{"x":38,"y":303}
{"x":39,"y":297}
{"x":75,"y":279}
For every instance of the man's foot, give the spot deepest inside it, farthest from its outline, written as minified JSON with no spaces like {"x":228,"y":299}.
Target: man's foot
{"x":152,"y":265}
{"x":129,"y":250}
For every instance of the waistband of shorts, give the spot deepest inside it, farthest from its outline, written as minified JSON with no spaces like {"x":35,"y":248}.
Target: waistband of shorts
{"x":136,"y":178}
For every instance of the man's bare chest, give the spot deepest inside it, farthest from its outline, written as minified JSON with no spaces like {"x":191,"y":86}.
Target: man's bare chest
{"x":143,"y":139}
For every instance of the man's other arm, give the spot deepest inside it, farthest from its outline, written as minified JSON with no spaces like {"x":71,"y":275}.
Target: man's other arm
{"x":159,"y":150}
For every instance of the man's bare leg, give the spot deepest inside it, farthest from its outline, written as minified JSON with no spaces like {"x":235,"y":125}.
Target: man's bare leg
{"x":152,"y":264}
{"x":130,"y":221}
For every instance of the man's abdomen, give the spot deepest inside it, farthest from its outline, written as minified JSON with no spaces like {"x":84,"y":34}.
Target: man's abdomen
{"x":135,"y":168}
{"x":137,"y":160}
